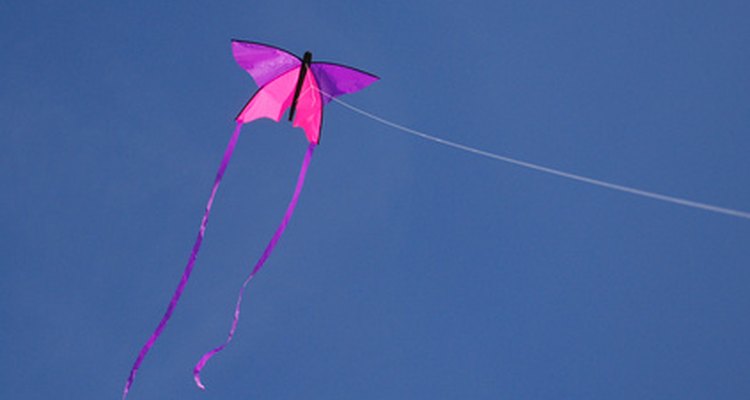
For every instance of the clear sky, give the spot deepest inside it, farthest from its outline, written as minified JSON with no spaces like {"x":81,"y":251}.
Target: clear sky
{"x":410,"y":270}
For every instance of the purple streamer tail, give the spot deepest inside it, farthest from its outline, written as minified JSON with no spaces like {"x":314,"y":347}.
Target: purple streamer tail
{"x":266,"y":253}
{"x":189,"y":267}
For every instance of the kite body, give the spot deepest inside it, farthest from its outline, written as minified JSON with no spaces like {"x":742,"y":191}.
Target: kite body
{"x":285,"y":82}
{"x":279,"y":74}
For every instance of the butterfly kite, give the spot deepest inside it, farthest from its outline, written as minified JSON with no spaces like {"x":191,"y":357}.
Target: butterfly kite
{"x":285,"y":81}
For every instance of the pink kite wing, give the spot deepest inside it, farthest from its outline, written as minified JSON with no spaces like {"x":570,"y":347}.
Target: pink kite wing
{"x":309,"y":114}
{"x":336,"y":80}
{"x":263,"y":62}
{"x":272,"y":99}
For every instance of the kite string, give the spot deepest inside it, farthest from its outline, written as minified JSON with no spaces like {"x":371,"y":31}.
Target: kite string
{"x":266,"y":253}
{"x":190,"y":264}
{"x":548,"y":170}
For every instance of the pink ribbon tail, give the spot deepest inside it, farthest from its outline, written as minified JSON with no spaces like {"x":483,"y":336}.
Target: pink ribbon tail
{"x":189,"y":267}
{"x":266,"y":253}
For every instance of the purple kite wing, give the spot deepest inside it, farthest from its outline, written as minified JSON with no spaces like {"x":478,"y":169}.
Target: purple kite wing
{"x":336,"y":80}
{"x":263,"y":62}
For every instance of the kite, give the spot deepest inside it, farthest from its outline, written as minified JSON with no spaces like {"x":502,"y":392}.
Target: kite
{"x":285,"y":81}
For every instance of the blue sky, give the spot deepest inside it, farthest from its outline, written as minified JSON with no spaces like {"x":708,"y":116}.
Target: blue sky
{"x":410,"y":270}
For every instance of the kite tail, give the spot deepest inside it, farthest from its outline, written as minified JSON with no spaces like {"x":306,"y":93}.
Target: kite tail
{"x":267,"y":252}
{"x":189,"y":267}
